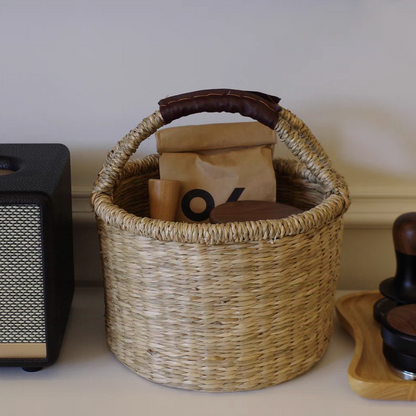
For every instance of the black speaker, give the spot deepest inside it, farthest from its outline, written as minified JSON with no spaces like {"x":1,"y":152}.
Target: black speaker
{"x":36,"y":253}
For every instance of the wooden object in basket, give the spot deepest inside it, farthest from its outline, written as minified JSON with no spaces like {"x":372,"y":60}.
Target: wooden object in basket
{"x":239,"y":211}
{"x":368,"y":374}
{"x":163,"y":198}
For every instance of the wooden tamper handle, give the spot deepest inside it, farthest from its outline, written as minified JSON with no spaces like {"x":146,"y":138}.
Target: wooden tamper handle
{"x":402,"y":288}
{"x":404,"y":234}
{"x":163,"y":198}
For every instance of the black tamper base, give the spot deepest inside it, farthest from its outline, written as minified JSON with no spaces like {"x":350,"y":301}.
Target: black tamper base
{"x":398,"y":330}
{"x":382,"y":308}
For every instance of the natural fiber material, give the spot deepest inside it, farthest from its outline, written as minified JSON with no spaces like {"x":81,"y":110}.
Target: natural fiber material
{"x":220,"y":307}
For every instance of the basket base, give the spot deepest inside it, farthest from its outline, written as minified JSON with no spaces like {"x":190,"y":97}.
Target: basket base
{"x":215,"y":386}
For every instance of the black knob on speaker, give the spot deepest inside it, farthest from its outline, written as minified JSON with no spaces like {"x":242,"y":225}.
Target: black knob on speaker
{"x":398,"y":330}
{"x":402,"y":287}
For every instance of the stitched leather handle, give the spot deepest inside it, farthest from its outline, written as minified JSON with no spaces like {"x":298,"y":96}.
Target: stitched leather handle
{"x":256,"y":105}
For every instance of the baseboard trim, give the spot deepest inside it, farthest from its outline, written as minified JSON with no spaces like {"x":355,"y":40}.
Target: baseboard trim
{"x":378,"y":207}
{"x":81,"y":209}
{"x":375,"y":207}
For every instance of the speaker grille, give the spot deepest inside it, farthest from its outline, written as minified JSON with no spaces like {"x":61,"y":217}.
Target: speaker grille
{"x":22,"y":306}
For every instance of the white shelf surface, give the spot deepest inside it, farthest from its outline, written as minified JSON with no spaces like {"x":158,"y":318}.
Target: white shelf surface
{"x":89,"y":380}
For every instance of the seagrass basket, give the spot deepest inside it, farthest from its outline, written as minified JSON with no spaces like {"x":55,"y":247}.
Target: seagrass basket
{"x":220,"y":307}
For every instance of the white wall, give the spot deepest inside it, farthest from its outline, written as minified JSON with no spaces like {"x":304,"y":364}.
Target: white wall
{"x":84,"y":73}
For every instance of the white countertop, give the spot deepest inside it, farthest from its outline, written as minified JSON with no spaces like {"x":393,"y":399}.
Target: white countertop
{"x":88,"y":380}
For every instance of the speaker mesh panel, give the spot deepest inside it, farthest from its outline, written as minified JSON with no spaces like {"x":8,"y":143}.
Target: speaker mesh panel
{"x":22,"y":309}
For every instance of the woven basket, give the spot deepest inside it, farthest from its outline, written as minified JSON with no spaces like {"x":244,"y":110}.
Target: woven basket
{"x":220,"y":307}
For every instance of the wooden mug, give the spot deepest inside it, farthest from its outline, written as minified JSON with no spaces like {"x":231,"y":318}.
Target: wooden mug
{"x":163,"y":199}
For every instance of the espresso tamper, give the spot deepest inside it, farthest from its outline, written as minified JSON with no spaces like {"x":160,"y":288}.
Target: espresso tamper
{"x":396,"y":312}
{"x":400,"y":289}
{"x":398,"y":330}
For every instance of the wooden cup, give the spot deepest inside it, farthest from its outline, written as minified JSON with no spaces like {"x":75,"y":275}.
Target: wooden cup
{"x":163,"y":198}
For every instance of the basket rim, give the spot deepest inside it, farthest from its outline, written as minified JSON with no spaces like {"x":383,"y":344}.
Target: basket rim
{"x":333,"y":206}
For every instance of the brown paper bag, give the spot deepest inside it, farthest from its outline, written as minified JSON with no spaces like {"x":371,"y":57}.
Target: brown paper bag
{"x":217,"y":163}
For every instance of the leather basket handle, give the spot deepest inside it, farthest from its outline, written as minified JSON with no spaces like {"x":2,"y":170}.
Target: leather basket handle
{"x":258,"y":106}
{"x":261,"y":107}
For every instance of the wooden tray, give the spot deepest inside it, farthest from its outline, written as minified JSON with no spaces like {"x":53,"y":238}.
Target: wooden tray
{"x":368,"y":374}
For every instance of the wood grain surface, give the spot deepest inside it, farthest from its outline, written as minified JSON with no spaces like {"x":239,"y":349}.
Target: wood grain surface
{"x":22,"y":350}
{"x":368,"y":374}
{"x":240,"y":211}
{"x":163,"y":198}
{"x":4,"y":172}
{"x":404,"y":233}
{"x":403,"y":318}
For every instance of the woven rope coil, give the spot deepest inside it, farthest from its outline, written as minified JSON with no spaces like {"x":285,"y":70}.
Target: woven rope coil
{"x":220,"y":307}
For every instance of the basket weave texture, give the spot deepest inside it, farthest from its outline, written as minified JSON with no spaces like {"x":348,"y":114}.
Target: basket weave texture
{"x":220,"y":307}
